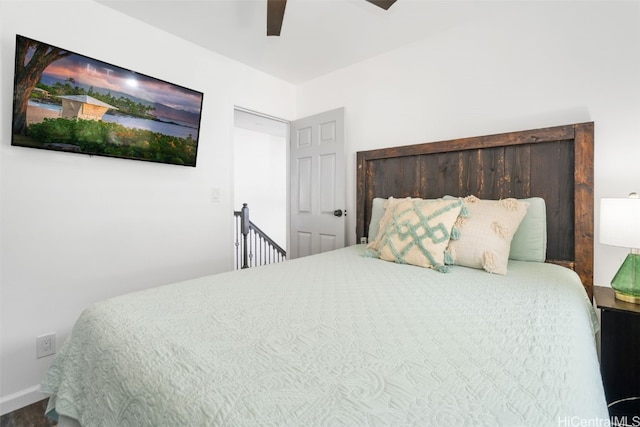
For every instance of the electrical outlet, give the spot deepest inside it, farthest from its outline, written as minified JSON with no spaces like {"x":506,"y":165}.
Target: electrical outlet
{"x":45,"y":345}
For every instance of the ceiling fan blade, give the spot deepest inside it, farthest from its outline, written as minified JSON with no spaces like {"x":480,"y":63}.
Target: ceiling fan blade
{"x":275,"y":15}
{"x":385,"y":4}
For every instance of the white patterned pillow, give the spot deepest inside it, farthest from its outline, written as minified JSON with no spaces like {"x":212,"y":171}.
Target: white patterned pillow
{"x":388,"y":207}
{"x":416,"y":231}
{"x":486,"y":233}
{"x":381,"y":212}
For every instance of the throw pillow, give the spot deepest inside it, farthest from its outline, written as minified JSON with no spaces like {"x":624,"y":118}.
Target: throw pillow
{"x":416,"y":232}
{"x":486,"y":233}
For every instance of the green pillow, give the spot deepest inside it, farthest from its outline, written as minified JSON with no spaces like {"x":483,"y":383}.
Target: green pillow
{"x":530,"y":241}
{"x":377,"y":211}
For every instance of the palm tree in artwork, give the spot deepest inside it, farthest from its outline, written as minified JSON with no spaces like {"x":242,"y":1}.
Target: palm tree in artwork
{"x":27,"y":75}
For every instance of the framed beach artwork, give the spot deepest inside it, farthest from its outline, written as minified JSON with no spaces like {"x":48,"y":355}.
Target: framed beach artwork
{"x":69,"y":102}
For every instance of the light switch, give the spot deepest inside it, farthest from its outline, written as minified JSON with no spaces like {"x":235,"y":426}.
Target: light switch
{"x":215,"y":195}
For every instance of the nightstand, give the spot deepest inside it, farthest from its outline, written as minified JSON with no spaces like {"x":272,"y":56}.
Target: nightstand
{"x":620,"y":351}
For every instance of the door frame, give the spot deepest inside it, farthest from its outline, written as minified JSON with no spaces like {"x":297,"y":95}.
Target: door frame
{"x":287,"y":137}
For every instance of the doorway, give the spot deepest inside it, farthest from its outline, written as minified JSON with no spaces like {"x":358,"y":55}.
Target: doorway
{"x":260,"y":146}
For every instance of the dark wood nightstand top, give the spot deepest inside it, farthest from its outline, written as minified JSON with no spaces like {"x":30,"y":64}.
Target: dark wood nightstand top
{"x":606,"y":300}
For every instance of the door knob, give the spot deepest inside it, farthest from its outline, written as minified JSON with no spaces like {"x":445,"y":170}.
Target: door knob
{"x":337,"y":212}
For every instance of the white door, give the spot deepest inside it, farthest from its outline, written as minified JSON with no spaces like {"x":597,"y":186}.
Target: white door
{"x":317,"y":184}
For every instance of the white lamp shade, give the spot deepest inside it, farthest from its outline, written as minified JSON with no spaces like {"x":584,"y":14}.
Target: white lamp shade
{"x":620,"y":222}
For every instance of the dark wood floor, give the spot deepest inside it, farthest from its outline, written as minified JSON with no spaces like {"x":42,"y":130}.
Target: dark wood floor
{"x":29,"y":416}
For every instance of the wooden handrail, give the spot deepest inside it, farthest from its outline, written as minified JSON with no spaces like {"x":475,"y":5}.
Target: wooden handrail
{"x":266,"y":250}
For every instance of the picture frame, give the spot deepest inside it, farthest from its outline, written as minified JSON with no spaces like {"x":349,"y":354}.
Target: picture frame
{"x":65,"y":101}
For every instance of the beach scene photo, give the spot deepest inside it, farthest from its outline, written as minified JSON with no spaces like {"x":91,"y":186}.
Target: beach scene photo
{"x":69,"y":102}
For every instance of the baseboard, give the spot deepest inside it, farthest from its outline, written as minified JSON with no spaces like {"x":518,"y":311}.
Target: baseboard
{"x":20,"y":399}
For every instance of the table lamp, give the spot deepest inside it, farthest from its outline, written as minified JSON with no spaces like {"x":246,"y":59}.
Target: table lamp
{"x":620,"y":226}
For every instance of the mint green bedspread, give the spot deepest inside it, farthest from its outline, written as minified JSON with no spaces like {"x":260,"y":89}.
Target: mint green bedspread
{"x":337,"y":339}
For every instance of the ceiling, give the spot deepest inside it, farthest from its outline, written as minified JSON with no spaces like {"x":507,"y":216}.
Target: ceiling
{"x":318,"y":36}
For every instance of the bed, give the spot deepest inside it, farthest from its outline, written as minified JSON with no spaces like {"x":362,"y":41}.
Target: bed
{"x":342,"y":338}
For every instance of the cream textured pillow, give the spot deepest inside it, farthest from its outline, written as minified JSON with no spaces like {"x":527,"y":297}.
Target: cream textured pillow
{"x":486,"y":233}
{"x":416,"y":231}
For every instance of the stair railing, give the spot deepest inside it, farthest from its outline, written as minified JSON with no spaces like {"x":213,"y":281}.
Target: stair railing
{"x":253,"y":246}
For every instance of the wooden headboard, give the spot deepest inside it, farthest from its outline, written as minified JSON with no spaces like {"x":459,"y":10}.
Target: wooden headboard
{"x":554,"y":163}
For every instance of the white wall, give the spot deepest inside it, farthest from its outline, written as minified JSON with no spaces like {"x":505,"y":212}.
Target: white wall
{"x":514,"y":66}
{"x":77,"y":229}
